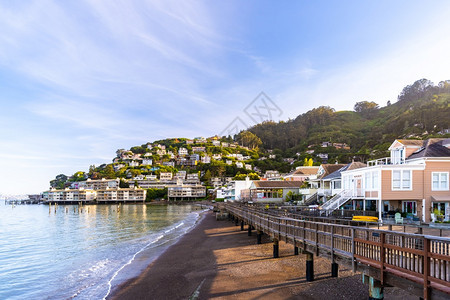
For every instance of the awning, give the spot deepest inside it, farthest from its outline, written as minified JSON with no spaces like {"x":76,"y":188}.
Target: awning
{"x":443,"y":198}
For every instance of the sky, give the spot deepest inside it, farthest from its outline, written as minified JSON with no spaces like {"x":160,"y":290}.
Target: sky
{"x":80,"y":79}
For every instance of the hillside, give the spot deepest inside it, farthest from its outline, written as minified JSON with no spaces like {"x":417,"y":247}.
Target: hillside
{"x":422,"y":110}
{"x":319,"y":135}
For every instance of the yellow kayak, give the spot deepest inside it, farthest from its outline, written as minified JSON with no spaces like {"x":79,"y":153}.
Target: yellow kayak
{"x":365,"y":219}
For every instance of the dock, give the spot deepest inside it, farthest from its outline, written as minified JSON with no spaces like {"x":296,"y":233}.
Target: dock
{"x":414,"y":262}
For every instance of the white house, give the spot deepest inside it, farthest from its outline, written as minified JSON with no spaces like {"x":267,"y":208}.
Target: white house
{"x":147,"y":161}
{"x":183,"y":151}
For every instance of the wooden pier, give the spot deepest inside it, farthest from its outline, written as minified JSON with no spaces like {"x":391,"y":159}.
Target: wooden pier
{"x":417,"y":263}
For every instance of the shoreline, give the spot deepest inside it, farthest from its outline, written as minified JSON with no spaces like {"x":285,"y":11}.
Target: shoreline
{"x":219,"y":261}
{"x":145,"y":258}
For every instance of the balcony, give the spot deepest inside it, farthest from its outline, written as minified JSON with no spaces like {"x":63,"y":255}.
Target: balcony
{"x":385,"y":161}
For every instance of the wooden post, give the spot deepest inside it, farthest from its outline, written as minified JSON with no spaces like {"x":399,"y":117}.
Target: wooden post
{"x":275,"y":248}
{"x":353,"y":251}
{"x":309,"y":266}
{"x":426,"y":268}
{"x":249,"y":230}
{"x":334,"y":269}
{"x":242,"y":225}
{"x":375,"y":289}
{"x":258,"y":237}
{"x":382,"y":257}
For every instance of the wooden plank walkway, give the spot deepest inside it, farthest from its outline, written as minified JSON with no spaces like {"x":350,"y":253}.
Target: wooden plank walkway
{"x":418,"y":263}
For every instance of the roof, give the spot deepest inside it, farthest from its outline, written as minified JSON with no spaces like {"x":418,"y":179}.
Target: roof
{"x":307,"y":171}
{"x":411,"y":142}
{"x":351,"y":166}
{"x":277,"y":184}
{"x":432,"y":148}
{"x":330,"y":168}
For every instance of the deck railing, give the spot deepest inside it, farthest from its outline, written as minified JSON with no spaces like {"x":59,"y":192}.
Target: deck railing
{"x":419,"y":258}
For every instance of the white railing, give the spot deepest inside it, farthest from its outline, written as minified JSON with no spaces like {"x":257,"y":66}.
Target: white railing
{"x":379,"y":161}
{"x":337,"y":201}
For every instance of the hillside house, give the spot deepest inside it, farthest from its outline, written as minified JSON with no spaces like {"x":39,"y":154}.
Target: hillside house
{"x":165,"y":176}
{"x":183,"y":151}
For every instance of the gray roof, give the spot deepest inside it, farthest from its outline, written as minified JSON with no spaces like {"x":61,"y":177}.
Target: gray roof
{"x":432,"y":148}
{"x":350,"y":166}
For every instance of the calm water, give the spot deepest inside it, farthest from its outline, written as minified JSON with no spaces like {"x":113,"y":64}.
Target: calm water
{"x":83,"y":254}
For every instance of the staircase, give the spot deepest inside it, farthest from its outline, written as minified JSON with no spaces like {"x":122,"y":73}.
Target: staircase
{"x":311,"y":199}
{"x":337,"y":201}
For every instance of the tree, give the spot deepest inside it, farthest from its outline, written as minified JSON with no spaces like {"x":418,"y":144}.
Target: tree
{"x":249,"y":139}
{"x":310,"y":162}
{"x":365,"y":108}
{"x":78,"y":176}
{"x":59,"y":181}
{"x":123,"y":184}
{"x":108,"y":172}
{"x":207,"y":176}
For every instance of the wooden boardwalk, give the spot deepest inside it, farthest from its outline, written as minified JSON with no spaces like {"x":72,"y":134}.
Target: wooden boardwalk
{"x":418,"y":263}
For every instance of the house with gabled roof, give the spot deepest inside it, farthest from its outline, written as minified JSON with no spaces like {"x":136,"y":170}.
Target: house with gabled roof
{"x":303,"y":173}
{"x":333,"y":182}
{"x":414,"y":180}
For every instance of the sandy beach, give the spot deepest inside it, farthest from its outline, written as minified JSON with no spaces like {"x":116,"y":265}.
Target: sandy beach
{"x":216,"y":260}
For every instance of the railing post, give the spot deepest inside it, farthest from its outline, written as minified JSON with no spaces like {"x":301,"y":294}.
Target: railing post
{"x":382,"y":257}
{"x":426,"y":268}
{"x":249,"y":230}
{"x":242,"y":225}
{"x":334,"y":265}
{"x":353,"y":250}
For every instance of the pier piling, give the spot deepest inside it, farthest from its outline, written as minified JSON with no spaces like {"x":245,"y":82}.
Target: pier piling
{"x":258,"y":237}
{"x":242,"y":225}
{"x":376,"y":289}
{"x":249,"y":230}
{"x":275,"y":248}
{"x":309,"y":266}
{"x":334,"y":269}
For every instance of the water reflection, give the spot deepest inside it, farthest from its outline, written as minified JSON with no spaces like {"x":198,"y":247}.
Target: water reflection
{"x":84,"y":245}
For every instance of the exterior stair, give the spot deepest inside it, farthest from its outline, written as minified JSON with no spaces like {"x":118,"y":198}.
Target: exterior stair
{"x":311,"y":199}
{"x":337,"y":201}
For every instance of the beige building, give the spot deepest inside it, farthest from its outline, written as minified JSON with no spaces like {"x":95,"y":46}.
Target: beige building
{"x":121,"y":195}
{"x":413,"y":180}
{"x":186,"y":192}
{"x":165,"y":176}
{"x":101,"y":184}
{"x":69,"y":195}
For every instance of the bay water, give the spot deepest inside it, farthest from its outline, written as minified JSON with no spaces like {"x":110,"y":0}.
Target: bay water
{"x":68,"y":251}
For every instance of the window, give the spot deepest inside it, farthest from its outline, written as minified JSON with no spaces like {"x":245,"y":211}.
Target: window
{"x":336,"y":184}
{"x":367,"y":183}
{"x":439,"y":181}
{"x":401,"y":180}
{"x":410,"y":207}
{"x":374,"y":180}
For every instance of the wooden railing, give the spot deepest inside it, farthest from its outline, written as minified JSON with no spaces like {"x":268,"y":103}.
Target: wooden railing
{"x":418,"y":258}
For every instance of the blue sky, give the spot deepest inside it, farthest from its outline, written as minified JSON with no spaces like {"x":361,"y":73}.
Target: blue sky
{"x":80,"y":79}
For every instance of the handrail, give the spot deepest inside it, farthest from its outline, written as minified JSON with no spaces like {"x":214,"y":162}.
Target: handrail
{"x":421,"y":258}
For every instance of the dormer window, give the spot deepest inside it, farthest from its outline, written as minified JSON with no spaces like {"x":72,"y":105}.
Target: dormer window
{"x":398,"y":156}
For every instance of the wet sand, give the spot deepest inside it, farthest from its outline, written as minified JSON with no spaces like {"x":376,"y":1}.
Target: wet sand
{"x":216,"y":260}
